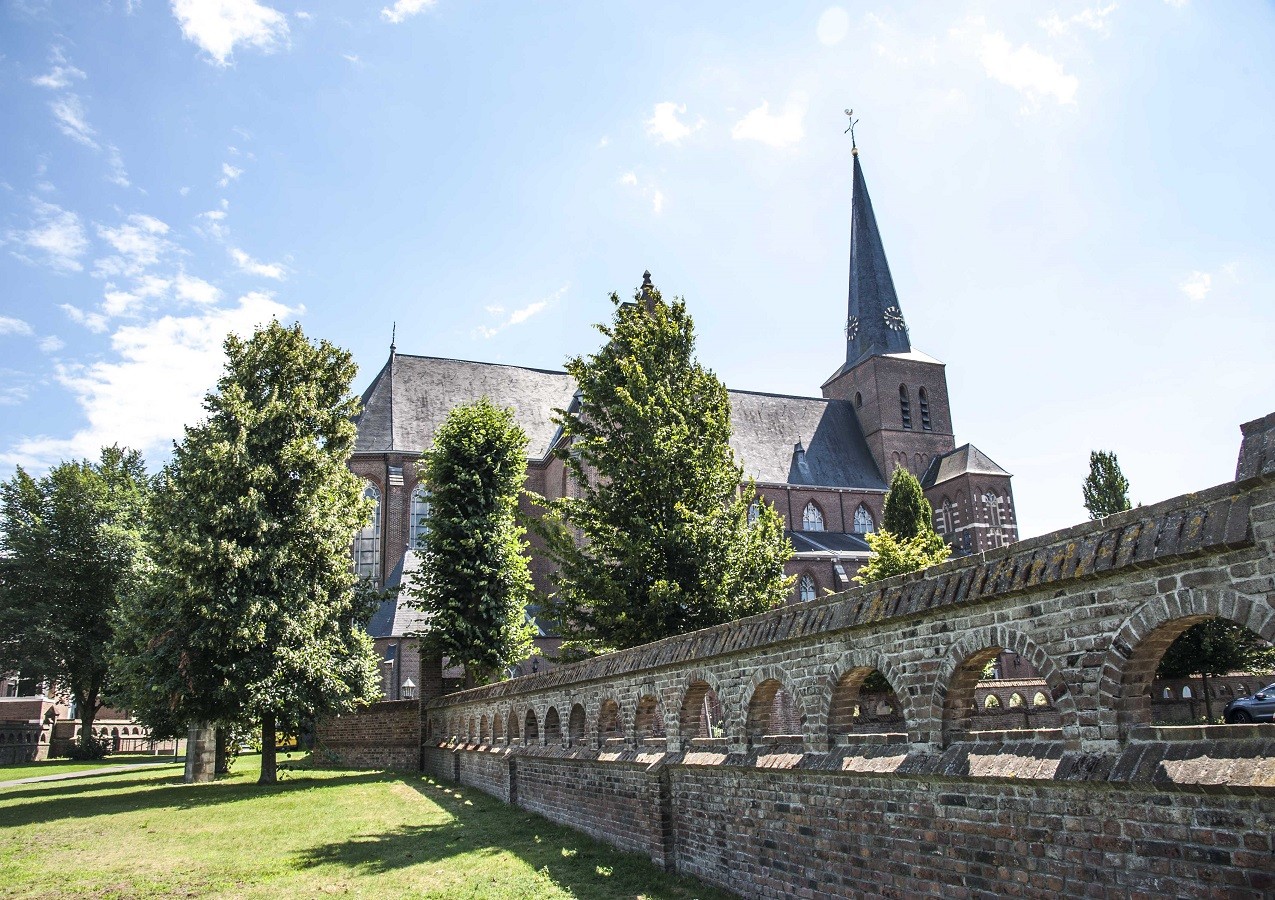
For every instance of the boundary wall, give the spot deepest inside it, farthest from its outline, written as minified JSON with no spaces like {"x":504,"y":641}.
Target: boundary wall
{"x":1103,"y":804}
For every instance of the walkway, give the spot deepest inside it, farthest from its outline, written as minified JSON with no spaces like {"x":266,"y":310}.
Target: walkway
{"x":87,"y":773}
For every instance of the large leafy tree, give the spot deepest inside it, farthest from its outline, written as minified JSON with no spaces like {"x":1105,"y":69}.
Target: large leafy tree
{"x":474,"y":581}
{"x":251,"y":612}
{"x":1105,"y":488}
{"x":1215,"y":647}
{"x":659,"y":539}
{"x":907,"y":540}
{"x":72,"y":549}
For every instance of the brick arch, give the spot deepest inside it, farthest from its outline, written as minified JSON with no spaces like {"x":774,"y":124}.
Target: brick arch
{"x":644,"y":719}
{"x":948,"y":693}
{"x":861,"y":659}
{"x":1142,"y":639}
{"x":761,"y":695}
{"x":695,"y":687}
{"x":577,"y":729}
{"x":608,"y":706}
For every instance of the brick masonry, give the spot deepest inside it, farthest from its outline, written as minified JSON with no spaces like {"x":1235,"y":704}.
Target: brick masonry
{"x":1100,"y":803}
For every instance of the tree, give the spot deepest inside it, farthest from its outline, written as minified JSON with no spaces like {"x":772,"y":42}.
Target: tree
{"x":251,"y":613}
{"x":474,"y":581}
{"x":73,"y":553}
{"x":1215,"y":647}
{"x":907,"y":541}
{"x":1106,"y":489}
{"x":659,"y":539}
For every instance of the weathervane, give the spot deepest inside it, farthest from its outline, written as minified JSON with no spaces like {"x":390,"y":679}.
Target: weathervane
{"x":850,"y":129}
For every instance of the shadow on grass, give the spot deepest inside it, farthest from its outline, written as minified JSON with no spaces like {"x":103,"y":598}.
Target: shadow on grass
{"x":482,"y":826}
{"x":54,"y":801}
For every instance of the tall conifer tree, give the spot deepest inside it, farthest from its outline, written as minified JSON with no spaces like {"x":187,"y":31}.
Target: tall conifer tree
{"x":1106,"y":489}
{"x":907,"y":540}
{"x":251,"y":613}
{"x":474,"y":581}
{"x":658,"y":540}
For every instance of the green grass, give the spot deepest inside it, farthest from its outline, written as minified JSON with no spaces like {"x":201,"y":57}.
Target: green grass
{"x":317,"y":833}
{"x":66,"y":766}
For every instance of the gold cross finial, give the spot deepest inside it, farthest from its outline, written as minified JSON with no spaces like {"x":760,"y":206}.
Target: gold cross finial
{"x":850,"y":130}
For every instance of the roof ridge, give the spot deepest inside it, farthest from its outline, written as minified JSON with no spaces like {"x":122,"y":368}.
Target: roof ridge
{"x":781,"y":396}
{"x":480,"y":362}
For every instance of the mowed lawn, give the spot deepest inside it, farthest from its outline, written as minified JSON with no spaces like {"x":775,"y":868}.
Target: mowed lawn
{"x":317,"y":833}
{"x":68,"y":766}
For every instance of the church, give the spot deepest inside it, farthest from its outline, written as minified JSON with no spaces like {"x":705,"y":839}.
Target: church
{"x":823,"y":461}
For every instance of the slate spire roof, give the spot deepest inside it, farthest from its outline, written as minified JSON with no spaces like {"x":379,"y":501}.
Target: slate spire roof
{"x":874,"y":324}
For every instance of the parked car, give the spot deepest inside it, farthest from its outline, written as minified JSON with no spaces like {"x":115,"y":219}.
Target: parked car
{"x":1260,"y":707}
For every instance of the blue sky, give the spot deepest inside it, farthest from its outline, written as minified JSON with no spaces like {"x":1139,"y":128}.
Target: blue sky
{"x":1075,"y":198}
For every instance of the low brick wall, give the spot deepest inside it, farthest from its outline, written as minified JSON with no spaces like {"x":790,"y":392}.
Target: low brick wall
{"x":20,"y":743}
{"x":1031,"y":820}
{"x":384,"y":735}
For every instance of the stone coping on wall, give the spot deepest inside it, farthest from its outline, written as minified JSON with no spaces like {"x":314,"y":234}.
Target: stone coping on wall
{"x":1213,"y":520}
{"x":1241,"y":764}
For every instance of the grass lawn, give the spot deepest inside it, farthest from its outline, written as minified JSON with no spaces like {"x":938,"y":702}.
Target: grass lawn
{"x":317,"y":833}
{"x":66,"y":766}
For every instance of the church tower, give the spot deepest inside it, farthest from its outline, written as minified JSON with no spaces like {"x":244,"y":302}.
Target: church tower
{"x":899,"y":394}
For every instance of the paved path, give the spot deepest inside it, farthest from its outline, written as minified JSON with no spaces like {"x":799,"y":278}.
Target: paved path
{"x":86,"y":773}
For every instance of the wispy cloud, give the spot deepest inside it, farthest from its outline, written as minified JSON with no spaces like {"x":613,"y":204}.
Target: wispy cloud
{"x":775,"y":129}
{"x":834,"y":25}
{"x":1197,"y":286}
{"x":55,"y":238}
{"x":68,"y":112}
{"x":118,"y":174}
{"x":10,"y":325}
{"x":405,"y":9}
{"x":1093,"y":18}
{"x":229,"y":173}
{"x":139,"y":243}
{"x":61,"y":75}
{"x":219,"y":26}
{"x":51,"y":344}
{"x":1028,"y":71}
{"x":153,"y":385}
{"x":665,"y":126}
{"x":251,"y":266}
{"x":518,"y":316}
{"x":94,"y":322}
{"x":647,"y":190}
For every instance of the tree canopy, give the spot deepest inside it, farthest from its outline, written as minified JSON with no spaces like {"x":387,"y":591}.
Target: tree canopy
{"x":251,"y":612}
{"x":72,"y":548}
{"x":655,"y":536}
{"x":1216,"y":647}
{"x":1105,"y":488}
{"x":907,"y":541}
{"x":474,"y":581}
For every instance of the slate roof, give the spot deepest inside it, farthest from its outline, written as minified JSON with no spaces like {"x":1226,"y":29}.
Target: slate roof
{"x":411,"y":395}
{"x":872,"y":291}
{"x":827,"y":542}
{"x":964,"y":459}
{"x":394,"y":617}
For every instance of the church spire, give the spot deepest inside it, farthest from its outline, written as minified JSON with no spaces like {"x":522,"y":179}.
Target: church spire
{"x":874,"y":324}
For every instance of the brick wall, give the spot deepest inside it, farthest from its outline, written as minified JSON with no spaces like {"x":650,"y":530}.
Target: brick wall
{"x":385,"y":735}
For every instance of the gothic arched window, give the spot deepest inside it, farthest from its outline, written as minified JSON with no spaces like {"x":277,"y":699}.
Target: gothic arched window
{"x":806,"y":588}
{"x":905,"y":406}
{"x":925,"y":409}
{"x":420,"y":517}
{"x":367,"y":543}
{"x":811,"y":518}
{"x":994,"y":532}
{"x":863,"y":522}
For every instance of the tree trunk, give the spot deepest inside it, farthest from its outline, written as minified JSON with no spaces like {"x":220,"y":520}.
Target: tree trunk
{"x":1208,"y":701}
{"x":86,"y":706}
{"x":269,"y":771}
{"x":220,"y":766}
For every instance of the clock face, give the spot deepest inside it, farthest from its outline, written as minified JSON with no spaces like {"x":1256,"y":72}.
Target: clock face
{"x":852,"y":328}
{"x":894,"y":319}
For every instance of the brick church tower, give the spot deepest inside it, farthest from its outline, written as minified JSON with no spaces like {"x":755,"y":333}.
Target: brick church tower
{"x":900,"y":398}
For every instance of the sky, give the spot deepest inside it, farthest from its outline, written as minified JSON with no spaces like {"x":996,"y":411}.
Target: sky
{"x":1075,"y":199}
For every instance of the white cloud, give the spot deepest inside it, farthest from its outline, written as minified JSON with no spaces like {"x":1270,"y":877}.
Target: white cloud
{"x":94,"y":322}
{"x":404,"y":9}
{"x":665,"y":126}
{"x":190,"y":289}
{"x":1197,"y":286}
{"x":782,"y":130}
{"x":154,"y":386}
{"x":229,"y":173}
{"x":12,"y":396}
{"x":833,"y":26}
{"x":250,"y":265}
{"x":657,"y":202}
{"x":351,"y":58}
{"x":61,"y":75}
{"x":68,"y":111}
{"x":1094,"y":18}
{"x":648,"y":190}
{"x":118,"y":175}
{"x":212,"y":222}
{"x":217,"y":26}
{"x":629,"y":178}
{"x":51,"y":344}
{"x":140,"y":242}
{"x":1027,"y":71}
{"x":304,"y":16}
{"x":10,"y":325}
{"x":518,"y":316}
{"x":55,"y":235}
